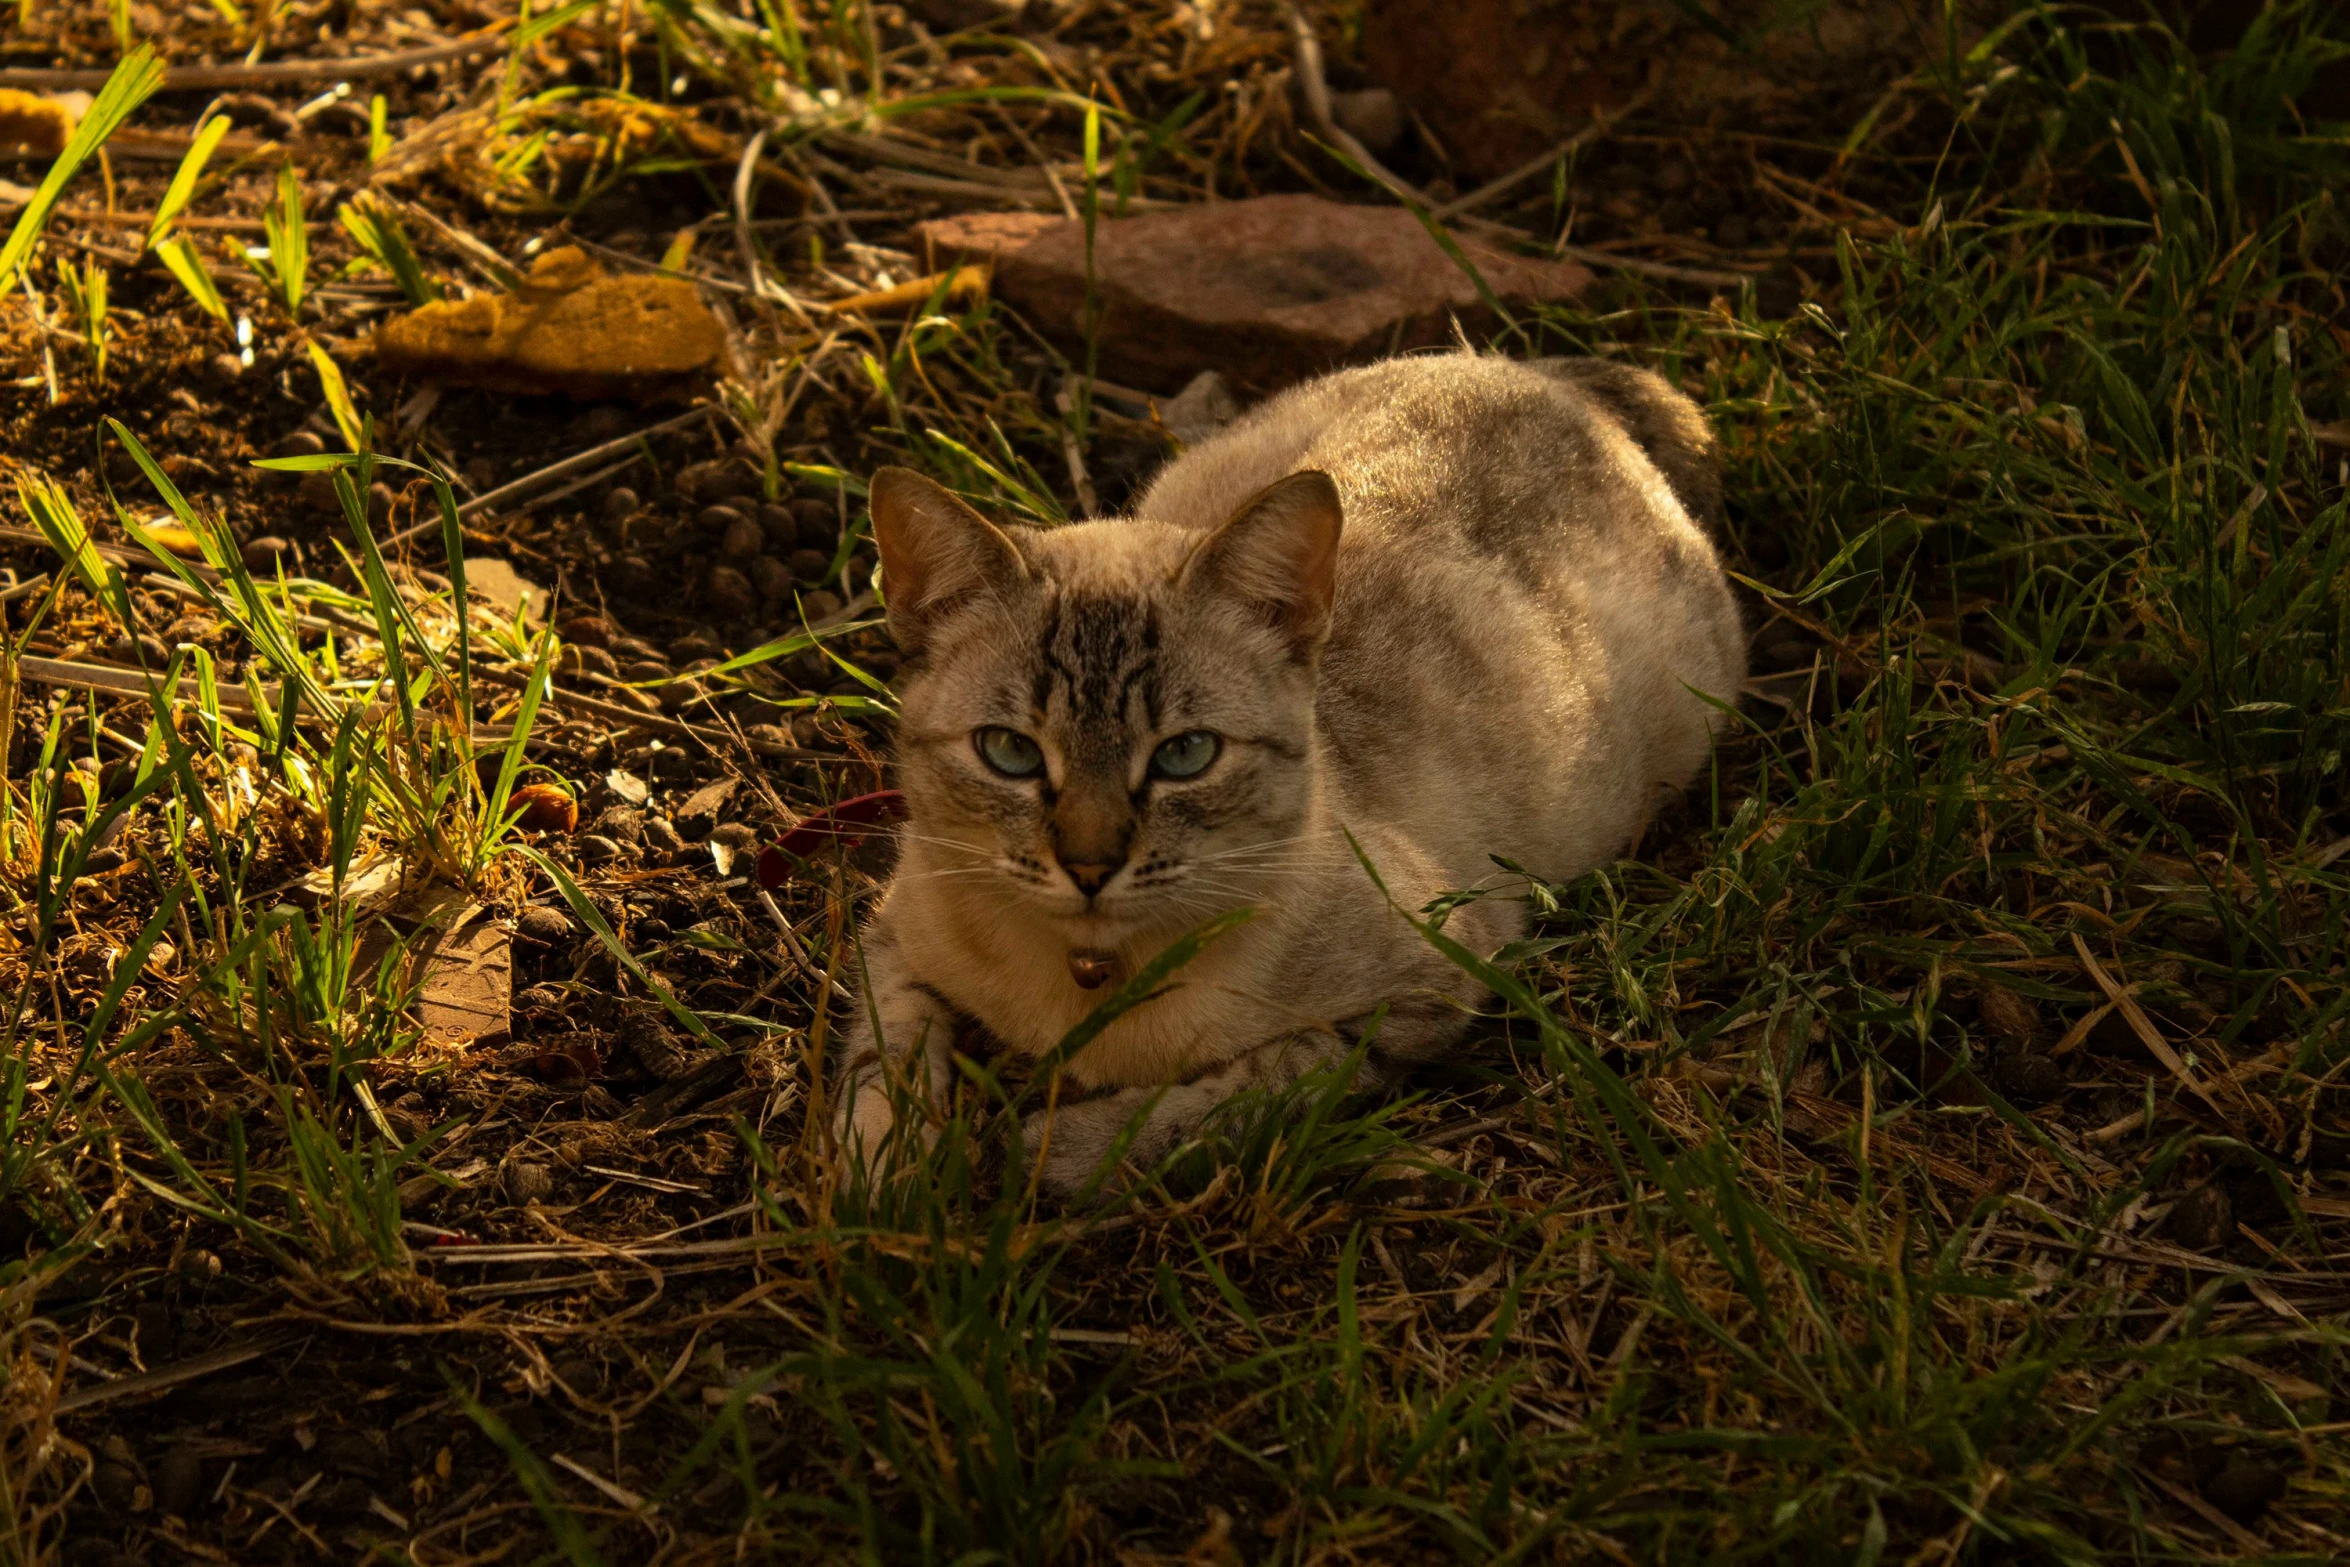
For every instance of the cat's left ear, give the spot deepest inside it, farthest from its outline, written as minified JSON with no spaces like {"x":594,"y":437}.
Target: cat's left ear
{"x":937,"y":554}
{"x":1279,"y":555}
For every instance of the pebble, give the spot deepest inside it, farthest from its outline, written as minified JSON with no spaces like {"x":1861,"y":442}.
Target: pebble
{"x":768,"y":739}
{"x":717,"y":479}
{"x":819,"y":523}
{"x":1374,"y":116}
{"x":145,"y":648}
{"x":634,"y":647}
{"x":730,"y":592}
{"x":692,"y":648}
{"x":591,"y":630}
{"x":771,"y":577}
{"x":596,"y":849}
{"x":262,"y":554}
{"x":661,"y":835}
{"x":604,"y":423}
{"x":117,"y":1486}
{"x":621,"y":824}
{"x":627,"y":787}
{"x":820,"y":604}
{"x":621,"y":504}
{"x":811,"y":565}
{"x":679,"y":695}
{"x":744,"y":539}
{"x":482,"y":473}
{"x":546,"y":926}
{"x":2204,"y":1219}
{"x":302,"y":443}
{"x":2007,"y":1014}
{"x":586,"y":659}
{"x":539,"y":999}
{"x":781,"y":527}
{"x":644,"y":669}
{"x":529,"y":1183}
{"x":380,"y":497}
{"x":317,"y":493}
{"x":717,"y":520}
{"x":227,"y":366}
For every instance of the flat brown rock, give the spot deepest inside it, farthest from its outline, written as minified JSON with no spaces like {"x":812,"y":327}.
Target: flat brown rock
{"x":571,"y":328}
{"x":1267,"y":291}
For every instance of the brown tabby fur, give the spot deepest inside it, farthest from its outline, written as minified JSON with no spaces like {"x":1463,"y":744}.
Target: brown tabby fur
{"x":1483,"y":634}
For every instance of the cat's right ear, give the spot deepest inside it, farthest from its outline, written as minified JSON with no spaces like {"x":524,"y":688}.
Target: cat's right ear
{"x":937,"y":554}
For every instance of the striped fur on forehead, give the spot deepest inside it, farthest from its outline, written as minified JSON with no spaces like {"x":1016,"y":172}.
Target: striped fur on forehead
{"x":1097,"y":656}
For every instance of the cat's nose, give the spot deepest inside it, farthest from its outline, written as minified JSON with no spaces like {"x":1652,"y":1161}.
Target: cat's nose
{"x":1091,"y":876}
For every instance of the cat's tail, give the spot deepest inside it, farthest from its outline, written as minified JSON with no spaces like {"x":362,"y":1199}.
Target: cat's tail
{"x":1662,"y":422}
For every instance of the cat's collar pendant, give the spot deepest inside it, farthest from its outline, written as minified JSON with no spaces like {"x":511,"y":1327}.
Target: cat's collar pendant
{"x":1091,"y":967}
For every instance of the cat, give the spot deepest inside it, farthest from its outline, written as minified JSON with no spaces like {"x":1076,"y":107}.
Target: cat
{"x":1458,"y":607}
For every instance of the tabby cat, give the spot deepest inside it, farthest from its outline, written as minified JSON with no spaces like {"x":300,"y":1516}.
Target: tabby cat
{"x":1460,"y":608}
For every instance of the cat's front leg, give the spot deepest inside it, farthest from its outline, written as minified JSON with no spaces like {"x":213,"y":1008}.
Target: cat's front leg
{"x":911,"y":1047}
{"x":1069,"y":1143}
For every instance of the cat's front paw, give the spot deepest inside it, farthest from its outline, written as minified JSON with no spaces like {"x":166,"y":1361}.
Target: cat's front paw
{"x":1069,"y":1145}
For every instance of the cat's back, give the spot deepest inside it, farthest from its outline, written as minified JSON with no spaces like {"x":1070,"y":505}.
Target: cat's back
{"x":1490,"y":456}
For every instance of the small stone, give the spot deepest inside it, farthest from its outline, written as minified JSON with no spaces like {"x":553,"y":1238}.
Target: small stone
{"x":261,"y":555}
{"x":2025,"y":1076}
{"x":811,"y":565}
{"x":301,"y":443}
{"x":669,"y":764}
{"x":820,"y":604}
{"x":650,"y":931}
{"x":688,"y":652}
{"x":621,"y":504}
{"x":2007,"y":1014}
{"x":1374,"y":116}
{"x":583,"y":659}
{"x":730,"y":592}
{"x":145,"y":648}
{"x":483,"y":473}
{"x":625,"y":648}
{"x":604,"y":424}
{"x":2245,"y":1488}
{"x":228,"y":367}
{"x":2204,"y":1219}
{"x":781,"y":527}
{"x":771,"y":577}
{"x":717,"y":521}
{"x":117,"y":1485}
{"x":586,"y":630}
{"x":596,"y":849}
{"x":179,"y":1482}
{"x":744,"y":539}
{"x":1267,"y":289}
{"x":679,"y":695}
{"x":644,"y":669}
{"x":661,"y":836}
{"x":717,"y":479}
{"x":621,"y":824}
{"x":528,"y":1183}
{"x":626,"y":787}
{"x":317,"y":493}
{"x":543,"y":926}
{"x":819,"y":524}
{"x":702,"y":809}
{"x":540,"y":1000}
{"x":380,"y":497}
{"x":769,"y":739}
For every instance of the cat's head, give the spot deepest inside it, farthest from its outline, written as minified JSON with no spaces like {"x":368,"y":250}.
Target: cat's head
{"x":1109,"y":722}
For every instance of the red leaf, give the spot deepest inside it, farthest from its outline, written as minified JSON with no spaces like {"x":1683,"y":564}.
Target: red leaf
{"x":848,"y":823}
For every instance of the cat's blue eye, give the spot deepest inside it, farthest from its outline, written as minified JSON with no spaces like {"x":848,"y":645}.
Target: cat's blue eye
{"x":1009,"y":752}
{"x":1187,"y":755}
